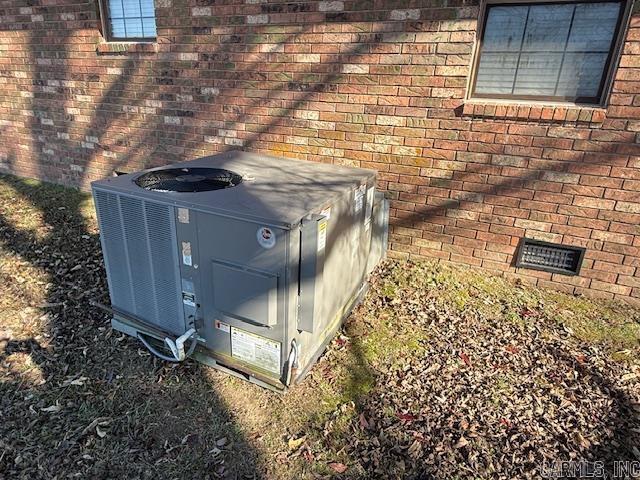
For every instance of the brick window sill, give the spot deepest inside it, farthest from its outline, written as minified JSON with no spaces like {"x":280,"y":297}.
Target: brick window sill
{"x":125,"y":48}
{"x":569,"y":114}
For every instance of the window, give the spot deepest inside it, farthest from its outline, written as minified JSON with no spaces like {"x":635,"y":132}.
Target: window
{"x":128,"y":19}
{"x":547,"y":51}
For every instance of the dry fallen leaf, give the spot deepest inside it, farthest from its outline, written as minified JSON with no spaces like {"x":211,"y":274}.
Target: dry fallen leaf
{"x":338,"y":467}
{"x":406,"y":416}
{"x":52,"y":409}
{"x":511,"y":349}
{"x":583,"y":442}
{"x":221,"y":442}
{"x":307,"y":454}
{"x":76,"y":381}
{"x":294,"y":443}
{"x":363,"y":421}
{"x":465,"y":359}
{"x":462,"y":442}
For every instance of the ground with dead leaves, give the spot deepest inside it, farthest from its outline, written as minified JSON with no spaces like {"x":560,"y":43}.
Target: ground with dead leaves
{"x":442,"y":372}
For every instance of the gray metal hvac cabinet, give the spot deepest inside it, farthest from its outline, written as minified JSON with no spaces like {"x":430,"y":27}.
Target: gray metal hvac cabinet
{"x":264,"y":270}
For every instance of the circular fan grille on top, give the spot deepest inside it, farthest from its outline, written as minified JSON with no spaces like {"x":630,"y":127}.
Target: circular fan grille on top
{"x":188,"y":180}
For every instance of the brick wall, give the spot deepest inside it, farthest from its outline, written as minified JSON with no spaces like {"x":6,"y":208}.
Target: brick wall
{"x":372,"y":83}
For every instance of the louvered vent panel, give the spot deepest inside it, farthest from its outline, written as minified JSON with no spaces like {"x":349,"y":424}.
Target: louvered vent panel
{"x":140,"y":249}
{"x":137,"y":244}
{"x":164,"y":263}
{"x":116,"y":260}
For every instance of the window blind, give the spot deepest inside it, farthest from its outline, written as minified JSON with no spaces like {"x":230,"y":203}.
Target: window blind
{"x":546,"y":50}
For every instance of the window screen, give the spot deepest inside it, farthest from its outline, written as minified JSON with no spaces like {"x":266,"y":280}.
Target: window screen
{"x":131,"y":19}
{"x":547,"y":51}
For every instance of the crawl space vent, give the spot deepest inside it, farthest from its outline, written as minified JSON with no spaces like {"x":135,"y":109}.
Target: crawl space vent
{"x":549,"y":257}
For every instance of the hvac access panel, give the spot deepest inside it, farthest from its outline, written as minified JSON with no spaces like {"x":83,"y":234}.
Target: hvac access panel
{"x":240,"y":267}
{"x":334,"y":249}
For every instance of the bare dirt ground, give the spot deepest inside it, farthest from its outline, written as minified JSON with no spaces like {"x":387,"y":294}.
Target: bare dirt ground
{"x":442,"y":372}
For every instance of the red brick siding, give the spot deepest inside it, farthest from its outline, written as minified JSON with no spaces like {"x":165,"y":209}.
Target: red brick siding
{"x":372,"y":83}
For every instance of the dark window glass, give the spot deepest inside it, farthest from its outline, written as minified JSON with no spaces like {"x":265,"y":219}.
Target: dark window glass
{"x":555,"y":51}
{"x":130,"y":19}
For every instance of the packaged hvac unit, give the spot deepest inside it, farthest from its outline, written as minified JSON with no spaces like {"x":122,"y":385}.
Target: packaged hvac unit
{"x":248,"y":263}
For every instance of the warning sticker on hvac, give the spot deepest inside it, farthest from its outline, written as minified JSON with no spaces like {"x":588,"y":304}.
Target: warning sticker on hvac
{"x":186,"y":253}
{"x":225,"y":327}
{"x":358,"y":198}
{"x":322,"y":234}
{"x":183,"y":215}
{"x":256,"y":350}
{"x":369,"y":212}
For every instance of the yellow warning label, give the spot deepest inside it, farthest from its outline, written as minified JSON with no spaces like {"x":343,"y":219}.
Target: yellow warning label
{"x":322,"y":234}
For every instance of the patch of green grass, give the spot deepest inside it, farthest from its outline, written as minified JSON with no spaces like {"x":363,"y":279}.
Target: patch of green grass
{"x":377,"y":341}
{"x":385,"y":341}
{"x":612,"y":325}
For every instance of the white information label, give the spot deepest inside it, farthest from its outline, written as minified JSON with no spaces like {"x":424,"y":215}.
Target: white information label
{"x":186,"y":253}
{"x":256,"y":350}
{"x":183,"y":215}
